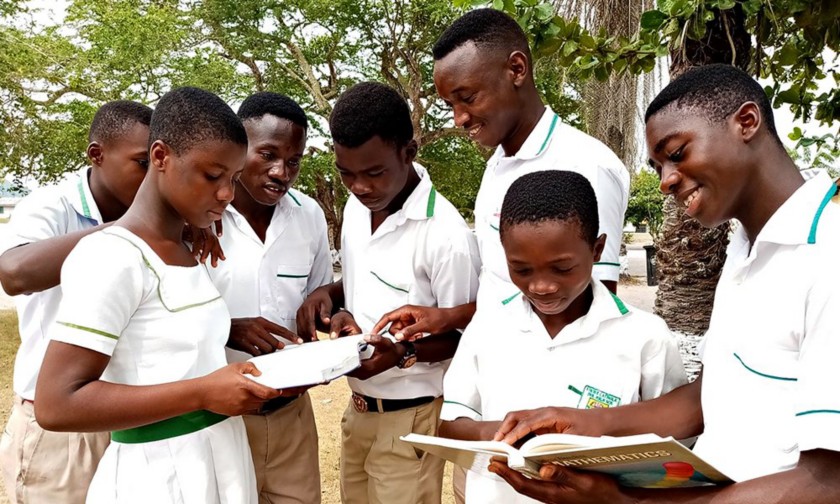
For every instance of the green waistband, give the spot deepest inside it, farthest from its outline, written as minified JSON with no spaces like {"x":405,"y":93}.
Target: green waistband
{"x":165,"y":429}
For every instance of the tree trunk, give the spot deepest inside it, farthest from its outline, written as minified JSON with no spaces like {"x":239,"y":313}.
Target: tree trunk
{"x":690,"y":257}
{"x":326,"y":194}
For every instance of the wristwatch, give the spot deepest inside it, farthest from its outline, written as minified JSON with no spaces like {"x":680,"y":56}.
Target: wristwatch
{"x":409,"y":358}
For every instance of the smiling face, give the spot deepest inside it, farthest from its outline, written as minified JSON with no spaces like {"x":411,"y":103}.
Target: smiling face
{"x":275,"y":150}
{"x":376,"y":171}
{"x":198,"y":184}
{"x":481,"y":87}
{"x":550,"y":262}
{"x":698,"y":162}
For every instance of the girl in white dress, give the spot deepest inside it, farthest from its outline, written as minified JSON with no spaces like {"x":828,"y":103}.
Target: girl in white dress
{"x":138,"y":346}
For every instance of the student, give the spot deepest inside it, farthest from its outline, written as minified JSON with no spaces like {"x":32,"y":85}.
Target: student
{"x":277,"y":252}
{"x":38,"y":465}
{"x":402,"y":242}
{"x":138,"y":343}
{"x":766,"y":402}
{"x":567,"y":340}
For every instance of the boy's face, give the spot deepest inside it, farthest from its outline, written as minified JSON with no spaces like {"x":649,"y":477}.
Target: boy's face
{"x":697,"y":162}
{"x":480,"y":86}
{"x":275,"y":150}
{"x":198,"y":184}
{"x":123,"y":162}
{"x":550,"y":262}
{"x":376,"y":171}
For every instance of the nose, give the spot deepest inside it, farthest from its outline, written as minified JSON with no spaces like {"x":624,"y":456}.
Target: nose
{"x":278,"y":170}
{"x":225,"y":192}
{"x":542,"y":287}
{"x":669,"y":180}
{"x":360,"y":188}
{"x":461,"y":116}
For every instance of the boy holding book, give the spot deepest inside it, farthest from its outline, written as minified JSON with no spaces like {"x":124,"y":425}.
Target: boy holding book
{"x":573,"y":341}
{"x":766,"y":405}
{"x":277,"y":252}
{"x":402,"y":242}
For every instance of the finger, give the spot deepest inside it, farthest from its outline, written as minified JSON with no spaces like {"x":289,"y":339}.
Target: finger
{"x":391,"y":317}
{"x":262,"y":340}
{"x":509,"y":423}
{"x":324,"y":313}
{"x":535,"y":489}
{"x":279,"y":330}
{"x":247,"y":368}
{"x":412,"y":332}
{"x":219,"y":230}
{"x":262,"y":391}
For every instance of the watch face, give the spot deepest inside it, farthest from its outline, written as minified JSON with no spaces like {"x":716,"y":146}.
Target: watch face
{"x":409,"y":362}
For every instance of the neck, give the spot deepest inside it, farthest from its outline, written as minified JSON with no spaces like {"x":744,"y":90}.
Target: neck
{"x":150,"y":217}
{"x":257,"y":214}
{"x":577,"y":309}
{"x":773,"y":182}
{"x":532,"y":110}
{"x":109,"y":207}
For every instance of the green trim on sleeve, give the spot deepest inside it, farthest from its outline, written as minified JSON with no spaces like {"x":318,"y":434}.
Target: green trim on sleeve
{"x":170,"y":428}
{"x":88,"y":329}
{"x":759,"y":373}
{"x":620,"y":304}
{"x":388,"y":284}
{"x":464,"y":405}
{"x":815,"y":411}
{"x":430,"y":205}
{"x":812,"y":236}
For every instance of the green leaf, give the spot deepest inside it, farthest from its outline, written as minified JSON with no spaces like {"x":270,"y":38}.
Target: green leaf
{"x":569,"y":47}
{"x":545,"y":12}
{"x":587,"y":41}
{"x":653,"y":19}
{"x":499,"y":4}
{"x":796,"y":134}
{"x":789,"y":54}
{"x":619,"y":65}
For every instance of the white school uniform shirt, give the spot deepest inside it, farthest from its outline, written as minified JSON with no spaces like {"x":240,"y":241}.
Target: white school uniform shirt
{"x":770,"y":373}
{"x":552,"y":145}
{"x":45,"y":213}
{"x":272,"y":279}
{"x":424,"y":254}
{"x":158,"y":324}
{"x":506,"y":361}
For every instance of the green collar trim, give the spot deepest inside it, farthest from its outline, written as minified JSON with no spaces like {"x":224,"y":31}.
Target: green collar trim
{"x":508,"y":300}
{"x":85,"y":207}
{"x":620,"y":304}
{"x":430,"y":205}
{"x":289,"y":192}
{"x":548,"y":136}
{"x":170,"y":428}
{"x":812,"y":236}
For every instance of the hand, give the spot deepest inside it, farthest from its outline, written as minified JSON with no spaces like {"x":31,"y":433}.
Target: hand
{"x":518,"y":424}
{"x":205,"y":243}
{"x":227,"y":391}
{"x":316,"y":309}
{"x":255,"y":335}
{"x":561,"y":485}
{"x":386,"y":355}
{"x":343,"y":324}
{"x":410,"y":322}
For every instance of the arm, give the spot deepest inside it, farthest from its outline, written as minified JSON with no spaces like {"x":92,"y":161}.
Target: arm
{"x":677,"y":413}
{"x":72,"y":398}
{"x":816,"y":480}
{"x":319,"y":306}
{"x":410,"y":321}
{"x":36,"y":266}
{"x":468,"y":429}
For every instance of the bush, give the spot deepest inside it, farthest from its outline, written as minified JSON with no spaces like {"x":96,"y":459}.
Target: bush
{"x":645,"y":204}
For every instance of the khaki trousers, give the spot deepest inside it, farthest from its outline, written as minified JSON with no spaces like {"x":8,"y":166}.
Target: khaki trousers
{"x":44,"y":467}
{"x":284,"y":446}
{"x":459,"y":483}
{"x":378,"y":468}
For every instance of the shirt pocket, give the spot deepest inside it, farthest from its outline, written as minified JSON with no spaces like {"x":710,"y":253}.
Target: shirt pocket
{"x":389,"y":290}
{"x":288,"y":288}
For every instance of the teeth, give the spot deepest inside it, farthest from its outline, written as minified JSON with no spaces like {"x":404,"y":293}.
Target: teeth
{"x":691,"y":197}
{"x":474,"y":131}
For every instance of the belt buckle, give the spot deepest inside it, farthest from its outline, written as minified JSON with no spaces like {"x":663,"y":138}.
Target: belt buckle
{"x":359,"y":403}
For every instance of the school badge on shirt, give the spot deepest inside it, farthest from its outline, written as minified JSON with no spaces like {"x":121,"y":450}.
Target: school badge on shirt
{"x":591,"y":397}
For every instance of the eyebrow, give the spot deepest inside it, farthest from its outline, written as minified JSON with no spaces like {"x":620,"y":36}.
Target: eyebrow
{"x":661,"y":144}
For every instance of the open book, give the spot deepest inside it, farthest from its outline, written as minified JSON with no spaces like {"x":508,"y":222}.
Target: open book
{"x":646,"y":460}
{"x":311,"y":363}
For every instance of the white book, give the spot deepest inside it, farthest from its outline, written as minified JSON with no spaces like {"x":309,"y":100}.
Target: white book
{"x":311,"y":363}
{"x":645,"y":460}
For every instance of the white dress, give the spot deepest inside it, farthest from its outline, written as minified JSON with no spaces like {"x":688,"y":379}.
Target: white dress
{"x":160,"y":324}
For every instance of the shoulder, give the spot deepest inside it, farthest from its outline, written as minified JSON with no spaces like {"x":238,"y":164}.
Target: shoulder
{"x":642,"y":325}
{"x":307,"y":206}
{"x":589,"y":150}
{"x":109,"y":246}
{"x":50,"y":199}
{"x":447,"y":227}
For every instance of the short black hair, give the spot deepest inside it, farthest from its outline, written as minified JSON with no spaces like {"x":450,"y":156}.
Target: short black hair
{"x":116,"y":118}
{"x":717,"y":90}
{"x":371,"y":109}
{"x":551,"y":195}
{"x":487,"y":29}
{"x":188,"y":116}
{"x":276,"y":104}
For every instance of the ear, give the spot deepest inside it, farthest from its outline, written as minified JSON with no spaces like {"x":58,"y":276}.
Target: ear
{"x":747,"y":121}
{"x":518,"y":67}
{"x":410,"y":151}
{"x":94,"y":153}
{"x":598,"y":249}
{"x":158,"y":153}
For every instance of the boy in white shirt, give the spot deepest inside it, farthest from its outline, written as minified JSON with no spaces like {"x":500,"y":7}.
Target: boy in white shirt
{"x":402,"y":242}
{"x":574,"y":342}
{"x":38,"y":465}
{"x":277,"y":252}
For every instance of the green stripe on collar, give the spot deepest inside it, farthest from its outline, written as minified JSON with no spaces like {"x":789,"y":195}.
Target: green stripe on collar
{"x":548,"y":136}
{"x":812,"y":236}
{"x":85,"y":207}
{"x":289,"y":192}
{"x":620,"y":304}
{"x":430,"y":206}
{"x":508,"y":300}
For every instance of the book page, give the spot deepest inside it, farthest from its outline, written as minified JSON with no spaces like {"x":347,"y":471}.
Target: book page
{"x":473,"y":455}
{"x":558,"y":443}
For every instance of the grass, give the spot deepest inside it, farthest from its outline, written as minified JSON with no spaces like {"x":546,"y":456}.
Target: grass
{"x":328,"y":402}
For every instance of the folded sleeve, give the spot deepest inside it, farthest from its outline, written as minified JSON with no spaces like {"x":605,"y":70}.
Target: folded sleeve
{"x":102,"y":282}
{"x":461,"y":397}
{"x":322,"y":270}
{"x":662,"y":366}
{"x":37,"y":217}
{"x":455,"y":267}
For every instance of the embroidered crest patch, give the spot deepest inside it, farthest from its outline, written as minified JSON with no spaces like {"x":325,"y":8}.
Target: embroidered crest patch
{"x":594,"y":398}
